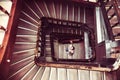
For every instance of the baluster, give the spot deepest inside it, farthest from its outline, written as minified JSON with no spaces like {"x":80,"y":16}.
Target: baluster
{"x":109,"y":8}
{"x":4,"y":10}
{"x":2,"y":28}
{"x":116,"y":8}
{"x":112,"y":16}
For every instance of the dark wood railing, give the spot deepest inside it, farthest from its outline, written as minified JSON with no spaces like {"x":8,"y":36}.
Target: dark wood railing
{"x":111,"y":13}
{"x":10,"y":30}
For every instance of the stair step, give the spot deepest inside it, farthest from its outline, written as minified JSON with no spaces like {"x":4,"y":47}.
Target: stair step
{"x":113,"y":20}
{"x":117,"y":38}
{"x":46,"y":74}
{"x":110,"y":17}
{"x":62,"y":74}
{"x":39,"y":73}
{"x":109,"y":8}
{"x":72,"y":74}
{"x":116,"y":30}
{"x":53,"y":74}
{"x":83,"y":74}
{"x":31,"y":73}
{"x":24,"y":70}
{"x":116,"y":24}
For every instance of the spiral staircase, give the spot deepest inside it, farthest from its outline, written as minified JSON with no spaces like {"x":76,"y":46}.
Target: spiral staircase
{"x":22,"y":65}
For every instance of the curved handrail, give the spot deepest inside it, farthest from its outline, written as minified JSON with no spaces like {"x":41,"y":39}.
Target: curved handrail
{"x":50,"y":23}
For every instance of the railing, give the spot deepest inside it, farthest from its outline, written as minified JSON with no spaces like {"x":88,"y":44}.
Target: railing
{"x":9,"y":30}
{"x":47,"y":26}
{"x":111,"y":13}
{"x":64,"y":32}
{"x":85,"y":0}
{"x":4,"y":18}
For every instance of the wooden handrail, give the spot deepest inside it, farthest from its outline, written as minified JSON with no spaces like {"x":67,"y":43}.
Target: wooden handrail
{"x":74,"y":66}
{"x":94,"y":66}
{"x":9,"y":34}
{"x":9,"y":39}
{"x":88,"y":2}
{"x":6,"y":36}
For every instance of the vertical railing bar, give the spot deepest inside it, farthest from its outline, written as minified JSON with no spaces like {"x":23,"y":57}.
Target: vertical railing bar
{"x":84,"y":15}
{"x":37,"y":73}
{"x":28,"y":72}
{"x":60,"y":10}
{"x":39,"y":8}
{"x":29,"y":17}
{"x":73,"y":14}
{"x":78,"y":14}
{"x":54,"y":10}
{"x":46,"y":8}
{"x":67,"y":12}
{"x":32,"y":10}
